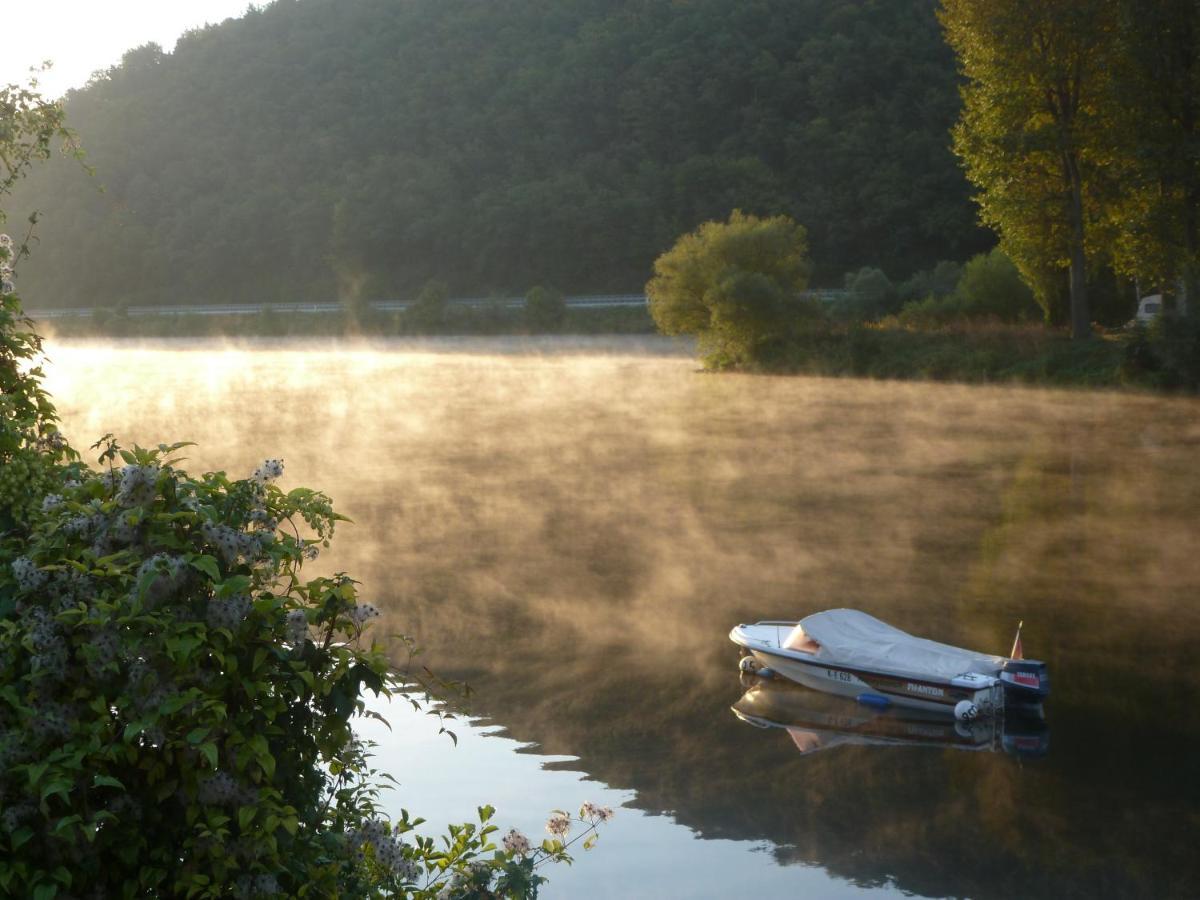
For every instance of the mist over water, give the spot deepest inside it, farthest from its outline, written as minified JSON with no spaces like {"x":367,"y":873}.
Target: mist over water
{"x":574,"y":527}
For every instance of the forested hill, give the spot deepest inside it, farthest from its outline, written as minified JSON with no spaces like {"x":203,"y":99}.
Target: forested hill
{"x":324,"y":148}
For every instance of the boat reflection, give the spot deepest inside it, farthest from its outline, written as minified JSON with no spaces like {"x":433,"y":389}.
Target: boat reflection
{"x":818,"y":721}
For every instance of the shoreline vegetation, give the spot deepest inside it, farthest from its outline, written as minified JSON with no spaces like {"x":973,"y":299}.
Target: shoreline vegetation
{"x":965,"y":351}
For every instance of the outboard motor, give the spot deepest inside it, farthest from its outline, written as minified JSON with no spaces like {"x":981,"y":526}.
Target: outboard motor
{"x":1026,"y":682}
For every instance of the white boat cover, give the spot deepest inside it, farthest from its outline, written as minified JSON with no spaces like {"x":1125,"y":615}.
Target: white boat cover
{"x":853,"y":638}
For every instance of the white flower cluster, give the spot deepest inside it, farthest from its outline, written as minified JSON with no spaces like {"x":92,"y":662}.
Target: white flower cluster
{"x":171,"y":576}
{"x":311,"y":551}
{"x":268,"y":471}
{"x":595,"y":814}
{"x":6,"y":285}
{"x":79,"y":526}
{"x":13,"y":748}
{"x":388,"y":849}
{"x":122,"y":530}
{"x":29,"y":576}
{"x":105,"y":646}
{"x":228,"y":613}
{"x":263,"y":519}
{"x":297,"y":627}
{"x":221,"y":789}
{"x":51,"y":502}
{"x":139,"y":671}
{"x":232,"y":544}
{"x":53,"y":720}
{"x":559,"y":825}
{"x":13,"y":816}
{"x":137,"y":487}
{"x":52,"y":440}
{"x":515,"y":842}
{"x":50,"y":648}
{"x":72,"y":586}
{"x":363,"y":614}
{"x":43,"y":630}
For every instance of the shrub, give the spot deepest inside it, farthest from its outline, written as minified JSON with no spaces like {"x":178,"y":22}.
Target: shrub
{"x":871,"y":294}
{"x":737,"y":285}
{"x":938,"y":282}
{"x":545,"y":310}
{"x":991,"y":286}
{"x":428,"y":312}
{"x":176,"y":699}
{"x":1175,"y":340}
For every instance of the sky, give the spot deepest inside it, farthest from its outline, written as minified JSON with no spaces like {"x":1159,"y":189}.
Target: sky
{"x":82,"y":36}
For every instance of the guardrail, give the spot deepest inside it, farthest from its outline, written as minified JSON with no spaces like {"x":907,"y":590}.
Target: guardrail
{"x":579,"y":301}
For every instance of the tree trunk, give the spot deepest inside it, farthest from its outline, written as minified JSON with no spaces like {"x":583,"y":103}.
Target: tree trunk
{"x":1081,"y":326}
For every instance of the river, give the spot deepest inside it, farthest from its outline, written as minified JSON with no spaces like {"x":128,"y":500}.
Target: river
{"x":572,"y":527}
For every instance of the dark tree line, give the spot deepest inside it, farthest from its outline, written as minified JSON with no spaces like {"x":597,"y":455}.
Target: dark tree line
{"x":358,"y":148}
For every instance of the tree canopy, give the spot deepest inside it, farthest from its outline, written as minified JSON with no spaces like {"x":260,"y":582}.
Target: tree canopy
{"x":322,"y":148}
{"x":736,"y":285}
{"x":1080,"y":129}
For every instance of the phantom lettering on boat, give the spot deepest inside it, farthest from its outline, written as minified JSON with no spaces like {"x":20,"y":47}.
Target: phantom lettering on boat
{"x":926,"y":689}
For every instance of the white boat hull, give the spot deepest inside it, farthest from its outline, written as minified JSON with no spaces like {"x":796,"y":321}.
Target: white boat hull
{"x":764,"y":641}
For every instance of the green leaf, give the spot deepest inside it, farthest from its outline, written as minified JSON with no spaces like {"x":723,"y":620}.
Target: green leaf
{"x":245,"y":816}
{"x":209,"y":751}
{"x":106,"y":781}
{"x":207,"y":565}
{"x":196,"y":735}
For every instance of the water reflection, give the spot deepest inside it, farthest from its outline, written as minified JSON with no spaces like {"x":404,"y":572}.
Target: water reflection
{"x":815,"y":721}
{"x":575,"y":532}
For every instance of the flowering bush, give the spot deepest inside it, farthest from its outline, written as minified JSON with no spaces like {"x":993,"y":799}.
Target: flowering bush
{"x":176,"y":698}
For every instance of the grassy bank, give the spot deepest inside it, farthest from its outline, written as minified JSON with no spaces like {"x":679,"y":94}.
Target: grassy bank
{"x":1029,"y":354}
{"x":456,"y":320}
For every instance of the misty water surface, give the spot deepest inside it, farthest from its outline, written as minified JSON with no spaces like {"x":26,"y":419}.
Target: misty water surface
{"x":573,"y":528}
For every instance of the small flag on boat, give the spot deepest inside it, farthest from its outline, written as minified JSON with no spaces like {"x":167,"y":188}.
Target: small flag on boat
{"x":1018,"y":651}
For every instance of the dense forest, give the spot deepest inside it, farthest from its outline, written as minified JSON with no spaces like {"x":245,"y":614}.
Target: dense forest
{"x":357,"y":148}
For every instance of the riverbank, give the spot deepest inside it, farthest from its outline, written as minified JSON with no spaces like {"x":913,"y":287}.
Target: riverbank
{"x":969,"y":353}
{"x":993,"y":353}
{"x":456,"y":320}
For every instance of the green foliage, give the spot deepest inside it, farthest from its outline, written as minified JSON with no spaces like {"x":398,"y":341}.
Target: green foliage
{"x":959,"y":351}
{"x":545,"y":310}
{"x":871,"y":294}
{"x":176,"y":697}
{"x":573,"y":144}
{"x":1032,"y":132}
{"x":938,"y":282}
{"x":737,"y":285}
{"x":428,"y":312}
{"x":991,"y":286}
{"x":1167,"y":353}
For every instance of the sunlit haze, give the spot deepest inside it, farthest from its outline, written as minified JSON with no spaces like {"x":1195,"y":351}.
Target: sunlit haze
{"x":80,"y":38}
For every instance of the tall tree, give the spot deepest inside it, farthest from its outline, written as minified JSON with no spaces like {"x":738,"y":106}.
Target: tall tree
{"x":1156,"y":106}
{"x":1032,"y":135}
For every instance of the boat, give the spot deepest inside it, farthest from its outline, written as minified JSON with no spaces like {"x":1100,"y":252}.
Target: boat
{"x":816,"y":721}
{"x":852,"y":653}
